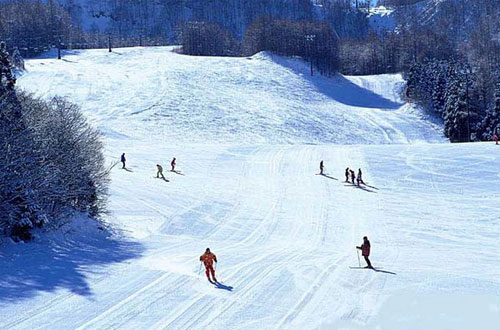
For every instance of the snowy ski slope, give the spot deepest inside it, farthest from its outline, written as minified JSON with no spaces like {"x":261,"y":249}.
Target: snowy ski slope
{"x":248,"y":134}
{"x":262,"y":99}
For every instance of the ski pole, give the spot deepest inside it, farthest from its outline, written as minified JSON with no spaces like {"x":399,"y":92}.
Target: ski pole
{"x":199,"y":270}
{"x":359,"y":262}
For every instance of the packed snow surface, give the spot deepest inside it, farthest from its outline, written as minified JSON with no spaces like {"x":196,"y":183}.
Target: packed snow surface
{"x":243,"y":132}
{"x":261,"y":99}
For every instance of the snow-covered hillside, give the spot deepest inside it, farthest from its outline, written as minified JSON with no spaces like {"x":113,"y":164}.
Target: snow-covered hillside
{"x":262,"y":99}
{"x":243,"y":132}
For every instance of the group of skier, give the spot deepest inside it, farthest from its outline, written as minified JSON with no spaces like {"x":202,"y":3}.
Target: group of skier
{"x":159,"y":168}
{"x":349,"y":174}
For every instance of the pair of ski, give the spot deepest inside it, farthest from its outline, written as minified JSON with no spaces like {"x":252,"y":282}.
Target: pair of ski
{"x":372,"y":268}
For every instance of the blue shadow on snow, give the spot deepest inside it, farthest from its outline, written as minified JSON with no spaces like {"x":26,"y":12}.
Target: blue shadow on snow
{"x":223,"y":287}
{"x":339,"y":88}
{"x":26,"y":269}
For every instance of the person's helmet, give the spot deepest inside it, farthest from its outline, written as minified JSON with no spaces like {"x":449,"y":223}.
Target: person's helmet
{"x":365,"y":238}
{"x":207,"y":250}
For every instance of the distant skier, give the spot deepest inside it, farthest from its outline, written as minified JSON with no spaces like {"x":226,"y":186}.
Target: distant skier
{"x":160,"y":171}
{"x":208,"y":259}
{"x":321,"y":167}
{"x":123,"y":160}
{"x":495,"y":138}
{"x":173,"y":165}
{"x":347,"y":175}
{"x":365,"y":251}
{"x":360,"y":177}
{"x":353,"y":176}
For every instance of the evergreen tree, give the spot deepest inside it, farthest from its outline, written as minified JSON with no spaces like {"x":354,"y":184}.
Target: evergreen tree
{"x":455,"y":114}
{"x":491,"y":122}
{"x":439,"y":89}
{"x":7,"y":80}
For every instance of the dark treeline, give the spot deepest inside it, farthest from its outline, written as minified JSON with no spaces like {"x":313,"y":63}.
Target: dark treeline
{"x":204,"y":38}
{"x":454,"y":72}
{"x":160,"y":18}
{"x":314,"y":41}
{"x":51,"y":160}
{"x":468,"y":102}
{"x":33,"y":26}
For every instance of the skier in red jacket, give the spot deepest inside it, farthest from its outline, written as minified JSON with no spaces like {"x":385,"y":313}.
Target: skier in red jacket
{"x":208,"y":259}
{"x":365,"y":251}
{"x":495,"y":138}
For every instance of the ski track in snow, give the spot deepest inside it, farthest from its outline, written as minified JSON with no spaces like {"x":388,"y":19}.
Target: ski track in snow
{"x":283,"y":235}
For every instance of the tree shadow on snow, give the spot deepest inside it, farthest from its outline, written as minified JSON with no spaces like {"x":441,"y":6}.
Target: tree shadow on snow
{"x":340,"y":88}
{"x":27,"y":269}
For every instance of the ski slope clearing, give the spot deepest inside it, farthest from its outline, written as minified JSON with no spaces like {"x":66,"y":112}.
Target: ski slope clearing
{"x":285,"y":240}
{"x":263,"y":99}
{"x":284,"y":236}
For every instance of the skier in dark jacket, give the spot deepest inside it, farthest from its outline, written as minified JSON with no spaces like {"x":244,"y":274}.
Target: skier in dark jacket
{"x":353,"y":176}
{"x":321,"y":167}
{"x":160,"y":171}
{"x":360,"y":177}
{"x":365,"y":251}
{"x":347,"y":174}
{"x":172,"y":164}
{"x":123,"y":160}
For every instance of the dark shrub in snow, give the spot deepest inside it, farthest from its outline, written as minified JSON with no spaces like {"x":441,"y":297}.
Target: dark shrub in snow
{"x":51,"y":162}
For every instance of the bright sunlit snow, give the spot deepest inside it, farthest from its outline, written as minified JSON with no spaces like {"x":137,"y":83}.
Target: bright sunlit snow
{"x":248,"y":134}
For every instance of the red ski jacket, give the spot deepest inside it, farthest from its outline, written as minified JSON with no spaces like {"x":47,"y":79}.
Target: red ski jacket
{"x":365,"y":249}
{"x":208,"y":259}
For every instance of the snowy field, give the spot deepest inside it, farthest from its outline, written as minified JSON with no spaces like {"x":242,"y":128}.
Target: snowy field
{"x":248,"y":134}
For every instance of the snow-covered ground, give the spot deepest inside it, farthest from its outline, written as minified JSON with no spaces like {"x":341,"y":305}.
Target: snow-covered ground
{"x":155,"y":92}
{"x":243,"y":132}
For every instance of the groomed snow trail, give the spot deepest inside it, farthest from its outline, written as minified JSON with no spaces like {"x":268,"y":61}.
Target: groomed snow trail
{"x":283,"y":235}
{"x":264,"y":99}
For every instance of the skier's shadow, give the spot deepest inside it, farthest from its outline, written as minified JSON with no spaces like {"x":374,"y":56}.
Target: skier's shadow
{"x":223,"y":287}
{"x":383,"y":271}
{"x":361,"y":187}
{"x":329,"y":177}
